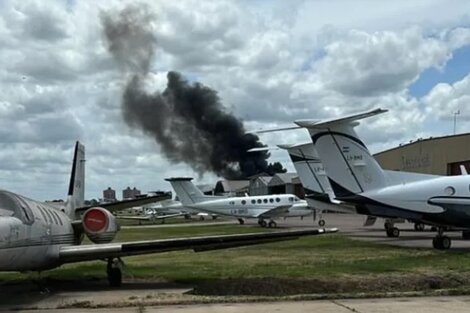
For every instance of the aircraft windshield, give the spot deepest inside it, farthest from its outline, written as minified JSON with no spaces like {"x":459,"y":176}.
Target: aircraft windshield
{"x":10,"y":205}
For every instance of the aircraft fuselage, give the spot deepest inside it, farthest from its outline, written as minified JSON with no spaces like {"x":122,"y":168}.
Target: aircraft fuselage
{"x":31,"y":237}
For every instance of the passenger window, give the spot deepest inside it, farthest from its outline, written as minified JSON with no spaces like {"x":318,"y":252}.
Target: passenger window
{"x":58,"y":217}
{"x":253,"y":201}
{"x":42,"y":213}
{"x":278,"y":200}
{"x":450,"y":191}
{"x":271,"y":200}
{"x":49,"y":217}
{"x":259,"y":201}
{"x":265,"y":200}
{"x":243,"y":202}
{"x":54,"y":218}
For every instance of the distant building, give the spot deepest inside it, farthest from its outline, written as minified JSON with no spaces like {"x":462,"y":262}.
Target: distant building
{"x":206,"y":189}
{"x":283,"y":183}
{"x":437,"y":156}
{"x":232,"y":187}
{"x":129,"y":193}
{"x":259,"y":185}
{"x":109,"y":195}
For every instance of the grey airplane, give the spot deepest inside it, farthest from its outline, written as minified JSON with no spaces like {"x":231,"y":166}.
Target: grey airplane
{"x":37,"y":236}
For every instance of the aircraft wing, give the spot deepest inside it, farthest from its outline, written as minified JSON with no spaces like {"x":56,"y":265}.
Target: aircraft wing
{"x":78,"y":253}
{"x":125,"y":204}
{"x":275,"y":212}
{"x":148,"y":217}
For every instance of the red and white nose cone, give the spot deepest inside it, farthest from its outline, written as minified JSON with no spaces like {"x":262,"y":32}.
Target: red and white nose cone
{"x":95,"y":220}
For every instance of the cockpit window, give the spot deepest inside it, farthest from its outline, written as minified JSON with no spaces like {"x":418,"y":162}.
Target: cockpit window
{"x":291,"y":199}
{"x":11,"y":205}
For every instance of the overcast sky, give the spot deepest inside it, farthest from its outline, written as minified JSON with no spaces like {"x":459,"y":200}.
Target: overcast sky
{"x":270,"y":61}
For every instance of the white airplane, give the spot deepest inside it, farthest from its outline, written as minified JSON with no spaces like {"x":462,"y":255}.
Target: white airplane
{"x":149,"y":214}
{"x":318,"y":191}
{"x":36,"y":236}
{"x":356,"y":177}
{"x":268,"y":207}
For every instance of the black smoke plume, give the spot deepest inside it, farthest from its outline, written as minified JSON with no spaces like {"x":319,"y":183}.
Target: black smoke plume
{"x":187,"y":119}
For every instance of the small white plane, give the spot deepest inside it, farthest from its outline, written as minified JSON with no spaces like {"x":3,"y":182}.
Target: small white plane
{"x":356,"y":177}
{"x":149,"y":214}
{"x":267,"y":207}
{"x":36,"y":236}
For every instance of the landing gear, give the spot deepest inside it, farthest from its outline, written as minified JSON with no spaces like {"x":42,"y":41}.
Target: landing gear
{"x":113,"y":269}
{"x":388,"y":225}
{"x":393,"y":232}
{"x":441,"y":242}
{"x":419,"y":226}
{"x":241,"y":221}
{"x":262,"y":223}
{"x":214,"y":217}
{"x":321,"y":223}
{"x":272,"y":224}
{"x":201,"y":218}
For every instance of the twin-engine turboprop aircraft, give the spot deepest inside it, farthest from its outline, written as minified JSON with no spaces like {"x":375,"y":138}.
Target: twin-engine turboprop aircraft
{"x":267,"y":207}
{"x":36,"y":236}
{"x":357,"y":178}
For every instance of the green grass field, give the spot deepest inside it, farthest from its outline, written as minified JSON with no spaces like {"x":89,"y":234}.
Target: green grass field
{"x":324,"y":259}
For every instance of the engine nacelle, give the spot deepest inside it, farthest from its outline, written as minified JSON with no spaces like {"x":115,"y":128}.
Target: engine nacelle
{"x":100,"y":225}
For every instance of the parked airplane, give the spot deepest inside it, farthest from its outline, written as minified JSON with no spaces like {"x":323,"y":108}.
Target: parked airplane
{"x":36,"y":236}
{"x":318,"y":191}
{"x":268,"y":207}
{"x":356,"y":177}
{"x":149,"y":214}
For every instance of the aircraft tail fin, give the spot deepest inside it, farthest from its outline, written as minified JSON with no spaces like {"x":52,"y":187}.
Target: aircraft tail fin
{"x":76,"y":193}
{"x":350,"y":166}
{"x":186,"y":191}
{"x":311,"y":172}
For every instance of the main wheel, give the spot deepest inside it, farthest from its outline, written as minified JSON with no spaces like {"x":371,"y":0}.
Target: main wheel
{"x":321,"y":223}
{"x":263,"y":223}
{"x":388,"y":225}
{"x":419,"y":226}
{"x":445,"y":242}
{"x":393,"y":232}
{"x":241,"y":221}
{"x":441,"y":242}
{"x":114,"y":277}
{"x":272,"y":224}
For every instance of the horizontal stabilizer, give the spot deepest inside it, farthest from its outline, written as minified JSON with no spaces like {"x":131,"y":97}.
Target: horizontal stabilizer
{"x":262,"y":131}
{"x":262,"y":149}
{"x":342,"y":120}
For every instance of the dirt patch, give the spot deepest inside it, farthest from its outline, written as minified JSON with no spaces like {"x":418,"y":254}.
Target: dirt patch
{"x":289,"y":286}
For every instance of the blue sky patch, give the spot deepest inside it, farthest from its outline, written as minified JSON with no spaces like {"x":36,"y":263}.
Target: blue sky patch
{"x":455,"y":69}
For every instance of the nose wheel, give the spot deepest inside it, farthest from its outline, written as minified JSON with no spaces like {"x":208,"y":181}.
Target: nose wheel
{"x":241,"y":221}
{"x":321,"y":223}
